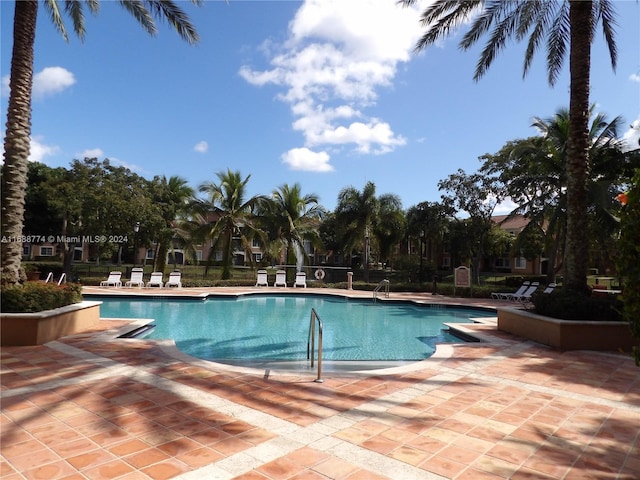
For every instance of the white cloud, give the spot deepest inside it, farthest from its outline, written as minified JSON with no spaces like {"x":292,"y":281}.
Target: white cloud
{"x":307,"y":160}
{"x":631,"y":137}
{"x":90,"y":153}
{"x":333,"y":65}
{"x":40,"y":150}
{"x":505,"y":207}
{"x":201,"y":147}
{"x":51,"y":80}
{"x":635,"y":77}
{"x":5,"y":86}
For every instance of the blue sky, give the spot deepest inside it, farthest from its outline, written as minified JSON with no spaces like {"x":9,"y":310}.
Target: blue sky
{"x":315,"y":92}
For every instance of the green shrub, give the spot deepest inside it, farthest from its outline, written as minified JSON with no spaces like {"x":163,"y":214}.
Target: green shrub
{"x":38,"y":296}
{"x":569,"y":304}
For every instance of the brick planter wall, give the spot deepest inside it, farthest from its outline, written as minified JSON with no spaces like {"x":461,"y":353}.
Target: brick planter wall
{"x":42,"y":327}
{"x":566,"y":334}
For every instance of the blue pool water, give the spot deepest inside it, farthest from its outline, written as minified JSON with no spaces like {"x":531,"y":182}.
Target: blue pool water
{"x":276,"y":327}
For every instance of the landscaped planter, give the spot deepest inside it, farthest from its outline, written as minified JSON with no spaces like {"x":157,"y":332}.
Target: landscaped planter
{"x":566,"y":334}
{"x":42,"y":327}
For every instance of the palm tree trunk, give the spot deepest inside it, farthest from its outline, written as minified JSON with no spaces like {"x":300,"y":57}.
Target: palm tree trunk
{"x":576,"y":252}
{"x":17,"y":138}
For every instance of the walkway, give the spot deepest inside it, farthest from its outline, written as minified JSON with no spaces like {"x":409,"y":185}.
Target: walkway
{"x":94,"y":407}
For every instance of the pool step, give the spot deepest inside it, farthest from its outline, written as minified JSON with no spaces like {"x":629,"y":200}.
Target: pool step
{"x":139,"y":332}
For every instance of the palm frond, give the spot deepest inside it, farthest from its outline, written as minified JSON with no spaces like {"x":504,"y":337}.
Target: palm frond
{"x":557,"y":41}
{"x":541,"y":15}
{"x":168,"y":10}
{"x":51,"y":6}
{"x":603,"y":11}
{"x":441,"y":18}
{"x":141,"y":14}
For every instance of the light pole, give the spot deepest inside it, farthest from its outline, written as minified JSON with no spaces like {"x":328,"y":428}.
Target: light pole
{"x":366,"y":254}
{"x":421,"y":255}
{"x":136,"y":229}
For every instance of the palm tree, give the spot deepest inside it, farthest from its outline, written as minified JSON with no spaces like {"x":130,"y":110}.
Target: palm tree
{"x":534,"y":172}
{"x":356,"y":211}
{"x":291,"y":218}
{"x":173,"y":197}
{"x":225,"y":215}
{"x":390,"y":226}
{"x":562,"y":22}
{"x":17,"y":136}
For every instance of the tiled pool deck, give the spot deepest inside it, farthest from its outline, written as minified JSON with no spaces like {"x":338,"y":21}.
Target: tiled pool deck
{"x":90,"y":406}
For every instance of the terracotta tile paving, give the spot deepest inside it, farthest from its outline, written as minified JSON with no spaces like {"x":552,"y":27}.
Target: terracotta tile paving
{"x":94,"y":407}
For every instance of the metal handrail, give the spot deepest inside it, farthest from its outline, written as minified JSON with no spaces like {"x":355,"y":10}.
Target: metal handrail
{"x":384,"y":283}
{"x":311,"y":342}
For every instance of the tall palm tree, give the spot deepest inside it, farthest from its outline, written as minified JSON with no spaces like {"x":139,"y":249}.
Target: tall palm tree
{"x":292,"y":218}
{"x":225,"y":215}
{"x":18,"y":132}
{"x":562,"y":22}
{"x":357,"y":210}
{"x":534,"y":172}
{"x":391,"y":224}
{"x":173,"y":197}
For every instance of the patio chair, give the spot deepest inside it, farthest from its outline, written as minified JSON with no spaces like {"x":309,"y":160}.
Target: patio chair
{"x":136,"y":278}
{"x":175,"y":280}
{"x":262,"y":279}
{"x":155,"y":280}
{"x":301,"y":280}
{"x":526,"y":295}
{"x":505,"y":295}
{"x":549,"y":288}
{"x":113,"y":280}
{"x":281,"y":279}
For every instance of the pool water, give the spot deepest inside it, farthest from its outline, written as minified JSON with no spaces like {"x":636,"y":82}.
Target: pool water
{"x":276,"y":327}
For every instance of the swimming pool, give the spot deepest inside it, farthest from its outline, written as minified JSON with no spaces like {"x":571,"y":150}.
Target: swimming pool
{"x":276,"y":327}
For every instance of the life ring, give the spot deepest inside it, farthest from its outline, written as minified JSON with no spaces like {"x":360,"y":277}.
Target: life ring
{"x":319,"y":274}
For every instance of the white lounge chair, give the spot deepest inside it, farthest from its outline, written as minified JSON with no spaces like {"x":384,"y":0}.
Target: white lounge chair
{"x":137,"y":275}
{"x":113,"y":280}
{"x":262,"y":279}
{"x":525,"y":299}
{"x":301,"y":280}
{"x":281,"y":279}
{"x":505,"y":295}
{"x":155,"y":280}
{"x":549,"y":288}
{"x":526,"y":295}
{"x":175,"y":280}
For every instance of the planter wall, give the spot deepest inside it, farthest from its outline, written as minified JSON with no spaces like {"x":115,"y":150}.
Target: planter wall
{"x":566,"y":334}
{"x":42,"y":327}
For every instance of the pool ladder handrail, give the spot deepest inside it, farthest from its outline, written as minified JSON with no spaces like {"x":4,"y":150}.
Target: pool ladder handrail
{"x":311,"y":342}
{"x":384,"y":283}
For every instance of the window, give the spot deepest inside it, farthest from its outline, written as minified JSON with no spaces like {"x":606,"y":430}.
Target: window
{"x":257,"y":257}
{"x":150,"y":254}
{"x":502,"y":262}
{"x":199,"y":255}
{"x":255,"y":243}
{"x":521,"y":263}
{"x":26,"y":250}
{"x":46,"y":251}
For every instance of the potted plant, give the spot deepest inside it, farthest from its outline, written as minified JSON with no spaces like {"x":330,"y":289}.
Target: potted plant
{"x":32,"y":271}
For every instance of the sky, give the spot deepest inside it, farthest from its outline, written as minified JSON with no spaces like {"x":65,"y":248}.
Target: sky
{"x":325,"y":93}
